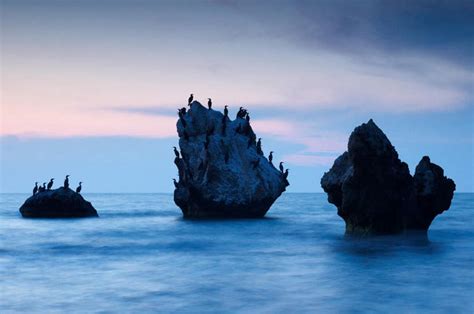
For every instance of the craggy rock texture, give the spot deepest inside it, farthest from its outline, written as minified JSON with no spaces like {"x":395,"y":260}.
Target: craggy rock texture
{"x":374,"y":191}
{"x":59,"y":203}
{"x":222,"y":173}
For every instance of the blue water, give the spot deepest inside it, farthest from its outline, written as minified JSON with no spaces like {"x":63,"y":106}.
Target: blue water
{"x":140,"y":256}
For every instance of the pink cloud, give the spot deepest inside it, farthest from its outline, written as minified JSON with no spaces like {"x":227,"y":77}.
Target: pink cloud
{"x":66,"y":123}
{"x":309,"y":160}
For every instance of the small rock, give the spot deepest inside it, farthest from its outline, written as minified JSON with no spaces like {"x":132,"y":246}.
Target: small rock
{"x":59,"y":203}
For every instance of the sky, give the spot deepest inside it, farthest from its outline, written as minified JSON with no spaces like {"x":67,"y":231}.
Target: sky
{"x":91,"y":88}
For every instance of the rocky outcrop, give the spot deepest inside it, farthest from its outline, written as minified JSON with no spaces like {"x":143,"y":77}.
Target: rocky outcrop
{"x":222,"y":170}
{"x":59,"y":203}
{"x":374,"y":191}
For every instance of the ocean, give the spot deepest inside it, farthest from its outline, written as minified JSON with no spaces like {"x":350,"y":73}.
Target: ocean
{"x":140,"y":256}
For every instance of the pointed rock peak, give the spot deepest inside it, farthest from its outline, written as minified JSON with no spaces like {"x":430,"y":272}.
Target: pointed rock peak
{"x":368,"y":140}
{"x":425,"y":159}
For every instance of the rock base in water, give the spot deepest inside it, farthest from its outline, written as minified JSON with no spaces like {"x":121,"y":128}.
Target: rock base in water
{"x":59,"y":203}
{"x":374,"y":191}
{"x":222,"y":170}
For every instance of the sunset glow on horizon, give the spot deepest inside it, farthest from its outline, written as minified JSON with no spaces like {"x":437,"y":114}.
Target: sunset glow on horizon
{"x":308,"y":72}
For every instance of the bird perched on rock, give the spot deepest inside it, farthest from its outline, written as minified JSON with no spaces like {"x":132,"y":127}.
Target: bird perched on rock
{"x":285,"y":175}
{"x":190,"y":99}
{"x":66,"y":182}
{"x":176,"y":153}
{"x":226,"y":111}
{"x":79,"y":187}
{"x":42,"y":188}
{"x":35,"y":189}
{"x":270,"y":157}
{"x":175,"y":183}
{"x":281,"y":166}
{"x":209,"y":103}
{"x":50,"y":184}
{"x":259,"y":147}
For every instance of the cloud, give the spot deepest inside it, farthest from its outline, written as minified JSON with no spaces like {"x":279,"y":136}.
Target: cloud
{"x":70,"y":123}
{"x":318,"y":147}
{"x":309,"y":160}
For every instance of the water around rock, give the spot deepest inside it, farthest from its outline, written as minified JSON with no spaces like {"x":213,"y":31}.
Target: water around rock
{"x":222,"y":170}
{"x":58,"y":203}
{"x":374,"y":191}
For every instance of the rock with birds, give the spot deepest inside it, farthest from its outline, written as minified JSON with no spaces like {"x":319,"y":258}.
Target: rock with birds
{"x":228,"y":179}
{"x":58,"y":203}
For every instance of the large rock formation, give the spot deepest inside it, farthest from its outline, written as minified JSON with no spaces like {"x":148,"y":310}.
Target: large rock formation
{"x":59,"y":203}
{"x":374,"y":191}
{"x":222,"y":171}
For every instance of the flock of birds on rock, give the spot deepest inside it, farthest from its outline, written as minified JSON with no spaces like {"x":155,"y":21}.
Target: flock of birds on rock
{"x":242,"y":114}
{"x":44,"y":187}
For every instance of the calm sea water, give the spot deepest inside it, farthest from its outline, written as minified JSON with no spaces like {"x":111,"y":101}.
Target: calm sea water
{"x":140,"y":256}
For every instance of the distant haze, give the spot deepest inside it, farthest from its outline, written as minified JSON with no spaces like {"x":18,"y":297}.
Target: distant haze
{"x":91,"y":88}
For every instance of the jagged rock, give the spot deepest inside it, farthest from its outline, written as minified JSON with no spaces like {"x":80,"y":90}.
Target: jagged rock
{"x":221,"y":174}
{"x":59,"y":203}
{"x":374,"y":191}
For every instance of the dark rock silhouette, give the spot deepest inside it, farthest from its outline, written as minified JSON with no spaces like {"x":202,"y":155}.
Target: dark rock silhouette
{"x":220,"y":174}
{"x":59,"y":203}
{"x":374,"y":191}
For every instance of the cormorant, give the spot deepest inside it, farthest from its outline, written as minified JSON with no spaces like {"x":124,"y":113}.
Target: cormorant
{"x":270,"y":157}
{"x":190,"y":99}
{"x":259,"y":147}
{"x":35,"y":189}
{"x":226,"y":111}
{"x":66,"y":182}
{"x":42,"y":188}
{"x":175,"y":183}
{"x":79,"y":188}
{"x":281,"y":166}
{"x":239,"y":113}
{"x":209,"y":103}
{"x":285,"y":175}
{"x":247,"y":117}
{"x":176,"y":153}
{"x":50,"y":184}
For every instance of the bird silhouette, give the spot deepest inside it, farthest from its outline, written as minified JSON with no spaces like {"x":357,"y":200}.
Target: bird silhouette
{"x":281,"y":167}
{"x":209,"y":103}
{"x":35,"y":189}
{"x":66,"y":182}
{"x":79,"y":188}
{"x":50,"y":184}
